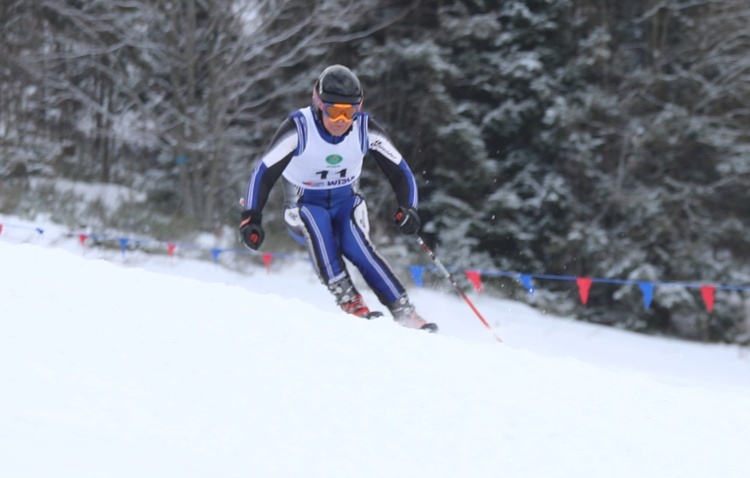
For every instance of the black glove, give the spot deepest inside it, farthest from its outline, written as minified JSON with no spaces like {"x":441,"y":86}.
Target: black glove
{"x":251,"y":232}
{"x":407,"y":220}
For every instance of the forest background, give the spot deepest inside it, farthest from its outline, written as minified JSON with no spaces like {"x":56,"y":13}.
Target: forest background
{"x":605,"y":138}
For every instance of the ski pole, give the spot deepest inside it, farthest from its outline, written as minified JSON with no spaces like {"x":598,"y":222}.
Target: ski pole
{"x":449,"y":276}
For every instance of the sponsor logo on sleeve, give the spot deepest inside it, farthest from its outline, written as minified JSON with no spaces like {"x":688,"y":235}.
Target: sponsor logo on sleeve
{"x":385,"y":150}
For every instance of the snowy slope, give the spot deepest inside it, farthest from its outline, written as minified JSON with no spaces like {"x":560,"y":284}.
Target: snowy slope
{"x":187,"y":370}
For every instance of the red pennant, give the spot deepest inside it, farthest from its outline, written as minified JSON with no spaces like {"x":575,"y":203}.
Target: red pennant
{"x":170,"y":250}
{"x":267,"y":261}
{"x":476,"y":279}
{"x":1,"y":228}
{"x":82,"y":239}
{"x":584,"y":285}
{"x":707,"y":292}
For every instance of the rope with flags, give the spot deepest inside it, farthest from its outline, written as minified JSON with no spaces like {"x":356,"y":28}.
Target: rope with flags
{"x":473,"y":276}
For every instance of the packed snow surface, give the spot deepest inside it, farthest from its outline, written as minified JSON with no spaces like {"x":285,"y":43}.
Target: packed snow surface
{"x":151,"y":367}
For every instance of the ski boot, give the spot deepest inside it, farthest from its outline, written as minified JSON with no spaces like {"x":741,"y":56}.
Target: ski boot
{"x":350,"y":300}
{"x":405,"y":314}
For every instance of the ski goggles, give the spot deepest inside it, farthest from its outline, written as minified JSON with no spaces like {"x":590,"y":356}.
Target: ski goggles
{"x":341,"y":111}
{"x":337,"y":111}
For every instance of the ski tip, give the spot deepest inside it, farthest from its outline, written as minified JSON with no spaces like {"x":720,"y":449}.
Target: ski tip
{"x":430,"y":327}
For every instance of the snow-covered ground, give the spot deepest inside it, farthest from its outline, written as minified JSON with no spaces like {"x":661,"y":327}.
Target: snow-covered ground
{"x":149,"y":367}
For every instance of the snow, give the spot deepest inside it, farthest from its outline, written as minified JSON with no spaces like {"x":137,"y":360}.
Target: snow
{"x":140,"y":366}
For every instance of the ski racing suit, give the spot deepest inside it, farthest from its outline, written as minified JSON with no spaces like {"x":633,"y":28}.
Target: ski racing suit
{"x":323,"y":208}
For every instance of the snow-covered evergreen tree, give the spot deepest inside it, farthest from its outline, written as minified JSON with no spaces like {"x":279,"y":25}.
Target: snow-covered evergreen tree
{"x":577,"y":137}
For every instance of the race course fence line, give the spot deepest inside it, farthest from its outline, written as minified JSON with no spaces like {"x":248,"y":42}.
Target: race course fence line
{"x":474,"y":276}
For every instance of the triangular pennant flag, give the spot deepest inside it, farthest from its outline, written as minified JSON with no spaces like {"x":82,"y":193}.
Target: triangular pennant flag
{"x":527,"y":283}
{"x":215,"y":253}
{"x":476,"y":279}
{"x":416,"y":274}
{"x":123,"y":245}
{"x":82,"y":239}
{"x":647,"y":288}
{"x":584,"y":285}
{"x":267,"y":261}
{"x":170,"y":250}
{"x":707,"y":292}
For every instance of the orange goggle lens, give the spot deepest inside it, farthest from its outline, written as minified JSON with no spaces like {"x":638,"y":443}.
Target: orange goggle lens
{"x":341,"y":111}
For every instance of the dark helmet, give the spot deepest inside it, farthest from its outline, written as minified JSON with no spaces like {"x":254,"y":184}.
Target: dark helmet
{"x":337,"y":84}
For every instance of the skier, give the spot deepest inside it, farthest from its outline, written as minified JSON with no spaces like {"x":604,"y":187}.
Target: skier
{"x":319,"y":152}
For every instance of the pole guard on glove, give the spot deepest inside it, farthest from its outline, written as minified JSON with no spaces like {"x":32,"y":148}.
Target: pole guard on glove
{"x":251,"y":231}
{"x":407,"y":220}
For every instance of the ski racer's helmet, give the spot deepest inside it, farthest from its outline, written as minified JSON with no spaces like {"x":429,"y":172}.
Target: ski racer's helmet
{"x":337,"y":84}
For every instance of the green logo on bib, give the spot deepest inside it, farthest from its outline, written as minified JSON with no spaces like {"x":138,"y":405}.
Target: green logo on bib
{"x":334,"y":159}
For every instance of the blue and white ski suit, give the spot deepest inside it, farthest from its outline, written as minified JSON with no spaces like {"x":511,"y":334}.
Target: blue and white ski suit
{"x":324,"y":209}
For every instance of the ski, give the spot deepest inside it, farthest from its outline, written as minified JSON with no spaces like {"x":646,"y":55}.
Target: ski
{"x":430,"y":327}
{"x":375,"y":314}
